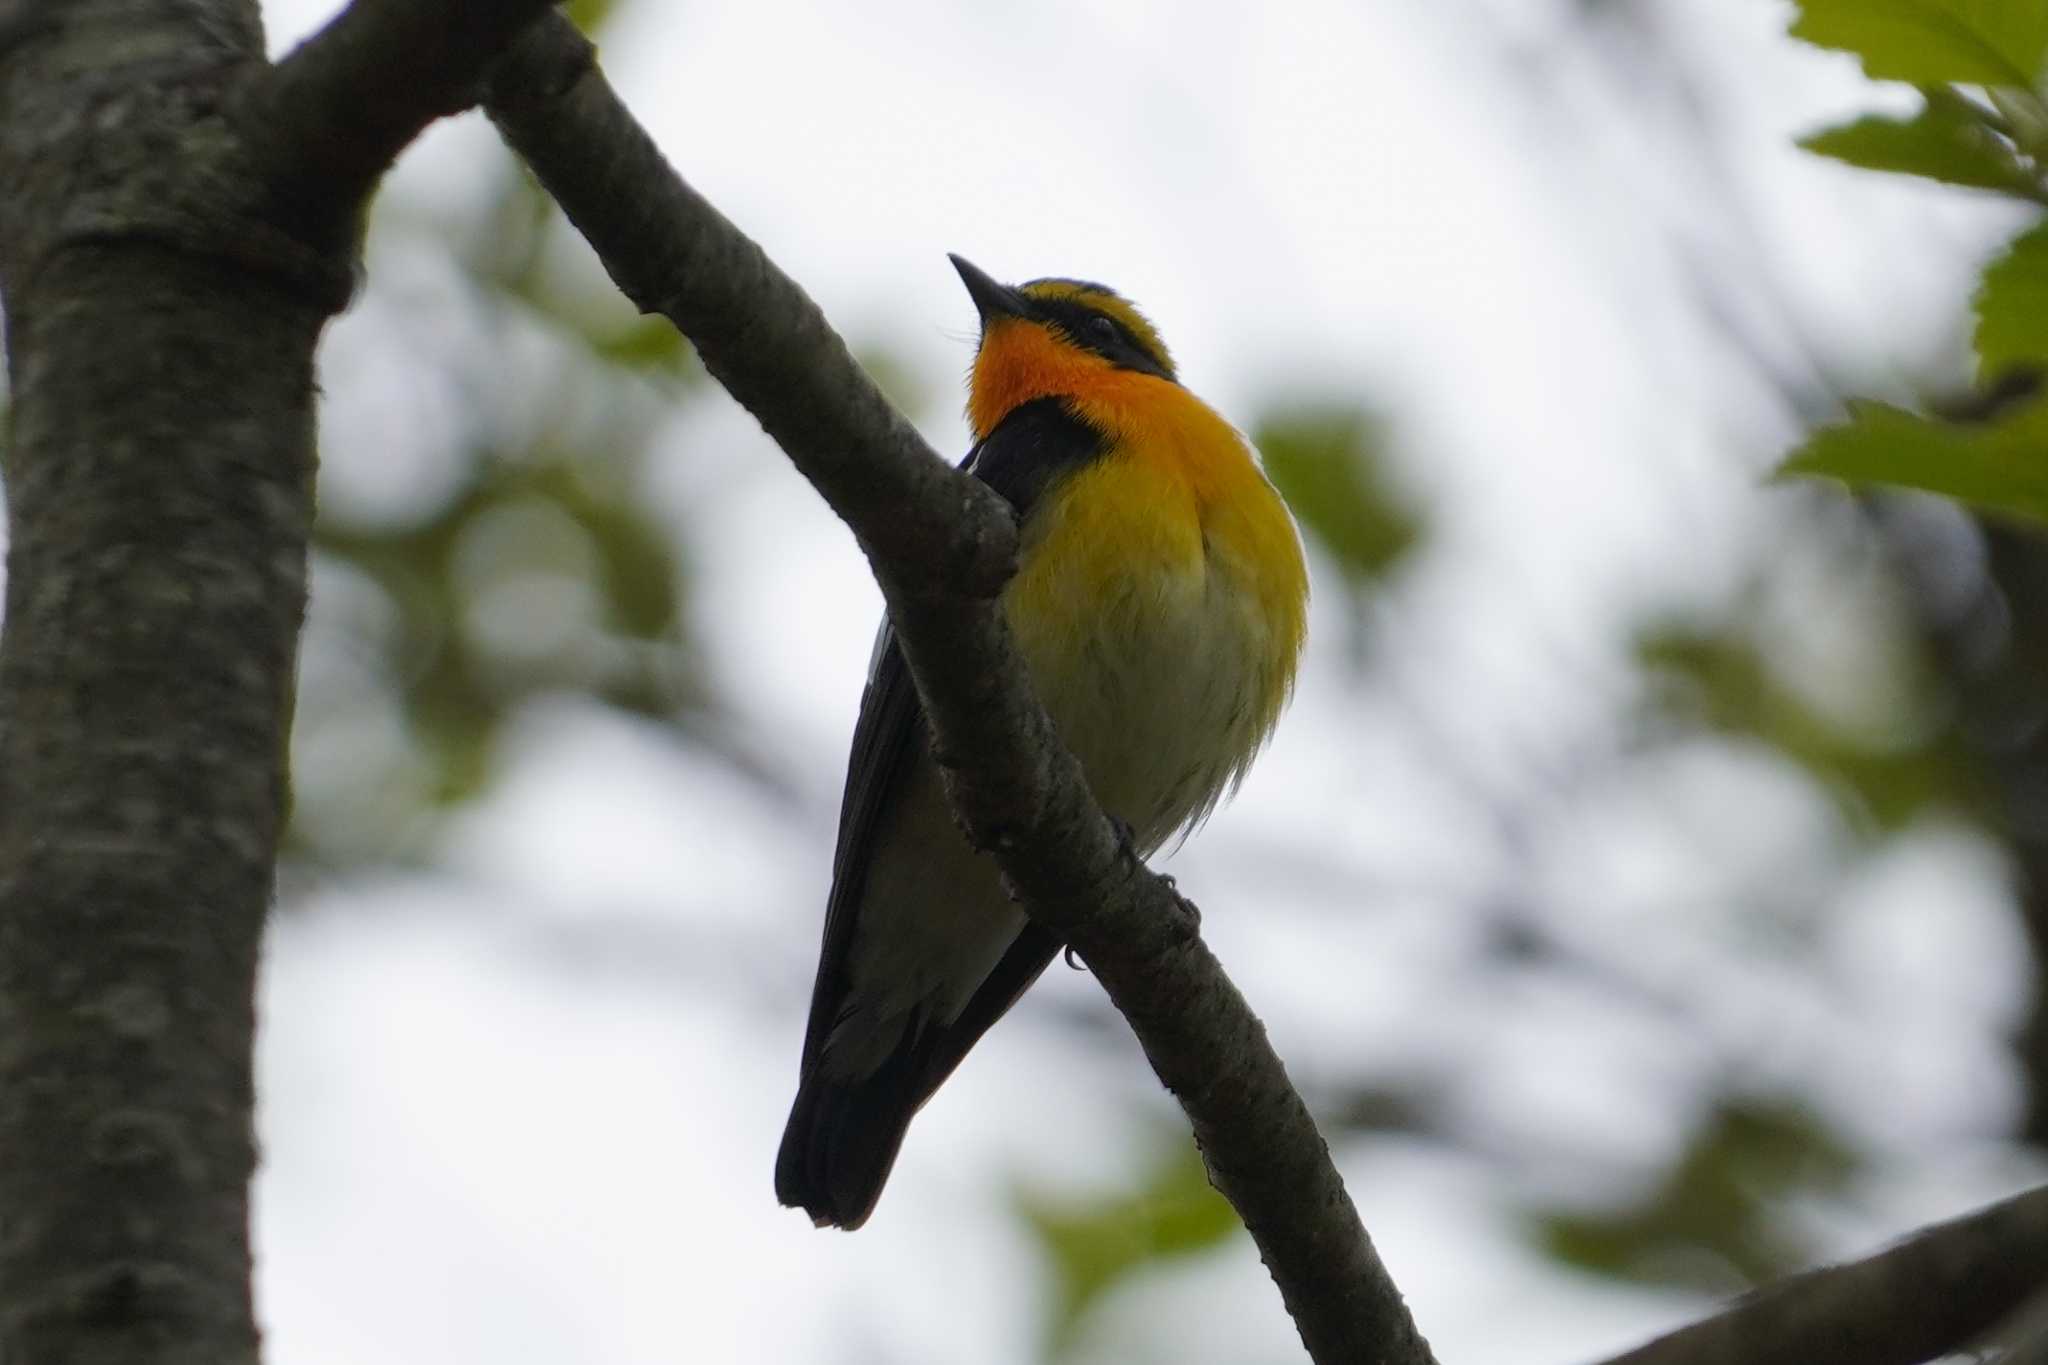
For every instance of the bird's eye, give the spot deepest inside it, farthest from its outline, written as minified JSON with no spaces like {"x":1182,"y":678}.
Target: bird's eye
{"x":1104,"y":327}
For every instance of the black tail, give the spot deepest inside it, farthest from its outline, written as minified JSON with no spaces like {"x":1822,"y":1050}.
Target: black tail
{"x":841,"y":1141}
{"x":843,"y":1135}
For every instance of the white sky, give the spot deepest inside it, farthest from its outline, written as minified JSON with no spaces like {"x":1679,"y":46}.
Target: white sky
{"x":475,"y":1152}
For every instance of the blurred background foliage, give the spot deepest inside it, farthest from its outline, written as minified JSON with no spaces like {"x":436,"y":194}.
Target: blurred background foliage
{"x":533,"y":569}
{"x":1714,"y":1219}
{"x":502,"y":542}
{"x":536,"y":567}
{"x":1093,"y":1245}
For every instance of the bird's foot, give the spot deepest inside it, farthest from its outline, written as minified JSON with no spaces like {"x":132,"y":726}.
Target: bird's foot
{"x":1189,"y":914}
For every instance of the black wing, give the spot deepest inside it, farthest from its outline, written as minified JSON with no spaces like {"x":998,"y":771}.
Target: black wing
{"x":1036,"y":443}
{"x":843,"y":1133}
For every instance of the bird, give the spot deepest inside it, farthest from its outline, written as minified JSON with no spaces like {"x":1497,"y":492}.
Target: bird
{"x":1160,"y":607}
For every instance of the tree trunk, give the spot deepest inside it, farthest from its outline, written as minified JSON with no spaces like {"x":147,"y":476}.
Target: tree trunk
{"x":158,"y":465}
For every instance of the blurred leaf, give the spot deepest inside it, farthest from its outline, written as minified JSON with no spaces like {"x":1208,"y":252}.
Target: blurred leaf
{"x":1411,"y":1109}
{"x":1942,"y":142}
{"x":2012,"y":307}
{"x":1929,"y":42}
{"x":1714,"y":1218}
{"x":1329,"y":463}
{"x":637,"y":563}
{"x":2000,"y":466}
{"x":538,"y":570}
{"x":1097,"y":1247}
{"x":502,"y":249}
{"x":459,"y":683}
{"x":1727,"y":686}
{"x":648,"y":343}
{"x":506,"y":253}
{"x":902,"y":383}
{"x":589,"y":15}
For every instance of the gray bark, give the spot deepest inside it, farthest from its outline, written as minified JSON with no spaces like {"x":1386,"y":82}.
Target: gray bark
{"x":159,"y":470}
{"x":166,"y":266}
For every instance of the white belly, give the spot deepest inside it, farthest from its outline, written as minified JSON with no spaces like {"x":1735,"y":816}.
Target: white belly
{"x":1155,"y":701}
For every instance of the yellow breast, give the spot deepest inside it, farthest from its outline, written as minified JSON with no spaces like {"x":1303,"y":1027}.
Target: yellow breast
{"x":1161,"y":604}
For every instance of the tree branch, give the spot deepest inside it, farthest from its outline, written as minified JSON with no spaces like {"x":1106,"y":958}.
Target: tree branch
{"x":1924,"y":1298}
{"x":942,"y":546}
{"x":2022,"y":1338}
{"x":328,"y":120}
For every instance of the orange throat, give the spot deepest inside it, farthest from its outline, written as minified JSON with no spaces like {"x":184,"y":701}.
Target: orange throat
{"x":1021,"y":360}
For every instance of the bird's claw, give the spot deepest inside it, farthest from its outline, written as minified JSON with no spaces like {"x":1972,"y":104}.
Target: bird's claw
{"x":1127,"y":842}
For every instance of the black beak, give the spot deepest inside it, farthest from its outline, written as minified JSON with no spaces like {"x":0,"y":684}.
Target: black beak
{"x":991,"y":300}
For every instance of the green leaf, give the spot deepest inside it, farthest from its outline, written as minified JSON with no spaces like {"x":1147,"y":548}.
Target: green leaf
{"x":1330,"y":465}
{"x":638,"y":566}
{"x":1942,"y":142}
{"x":1721,"y":681}
{"x":589,"y":15}
{"x":457,"y":688}
{"x":2012,"y":307}
{"x":1932,"y":42}
{"x":646,"y":343}
{"x":901,"y":382}
{"x":1713,"y":1222}
{"x":2001,"y":467}
{"x":1094,"y":1248}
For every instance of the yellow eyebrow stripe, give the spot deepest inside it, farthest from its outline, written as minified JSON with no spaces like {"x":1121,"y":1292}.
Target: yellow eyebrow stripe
{"x":1104,"y":300}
